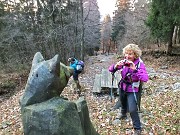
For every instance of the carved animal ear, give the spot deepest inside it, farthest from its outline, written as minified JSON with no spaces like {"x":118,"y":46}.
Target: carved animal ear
{"x":55,"y":65}
{"x":37,"y":59}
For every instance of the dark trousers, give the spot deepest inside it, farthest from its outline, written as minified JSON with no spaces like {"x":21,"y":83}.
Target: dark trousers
{"x":75,"y":76}
{"x":128,"y":104}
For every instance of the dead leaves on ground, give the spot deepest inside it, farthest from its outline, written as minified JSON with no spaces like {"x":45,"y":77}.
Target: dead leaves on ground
{"x":163,"y":116}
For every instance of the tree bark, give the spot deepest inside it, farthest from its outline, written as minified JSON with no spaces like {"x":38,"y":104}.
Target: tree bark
{"x":175,"y":35}
{"x":82,"y":30}
{"x":170,"y":42}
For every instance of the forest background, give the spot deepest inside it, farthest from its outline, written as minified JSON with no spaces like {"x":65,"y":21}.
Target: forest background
{"x":74,"y":28}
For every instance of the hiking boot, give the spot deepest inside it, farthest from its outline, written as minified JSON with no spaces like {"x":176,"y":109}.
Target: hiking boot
{"x":78,"y":86}
{"x":137,"y":132}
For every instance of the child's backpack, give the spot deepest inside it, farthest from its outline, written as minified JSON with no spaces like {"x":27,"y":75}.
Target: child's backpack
{"x":80,"y":66}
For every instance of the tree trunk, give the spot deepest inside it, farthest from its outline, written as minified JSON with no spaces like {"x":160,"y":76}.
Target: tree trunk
{"x":82,"y":30}
{"x":178,"y":35}
{"x":175,"y":35}
{"x":169,"y":49}
{"x":103,"y":46}
{"x":76,"y":32}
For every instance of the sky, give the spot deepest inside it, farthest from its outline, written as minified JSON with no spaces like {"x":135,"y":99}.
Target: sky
{"x":106,"y":7}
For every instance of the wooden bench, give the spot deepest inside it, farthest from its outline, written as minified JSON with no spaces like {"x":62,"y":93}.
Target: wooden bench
{"x":103,"y":81}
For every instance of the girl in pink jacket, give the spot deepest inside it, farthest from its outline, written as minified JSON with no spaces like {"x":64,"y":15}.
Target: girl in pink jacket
{"x":133,"y":71}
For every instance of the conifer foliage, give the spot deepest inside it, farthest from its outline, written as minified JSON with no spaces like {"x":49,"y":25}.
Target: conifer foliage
{"x":163,"y":19}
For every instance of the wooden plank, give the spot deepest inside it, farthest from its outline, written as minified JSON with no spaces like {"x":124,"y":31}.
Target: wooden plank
{"x":97,"y":84}
{"x":106,"y":79}
{"x":117,"y":78}
{"x":103,"y":81}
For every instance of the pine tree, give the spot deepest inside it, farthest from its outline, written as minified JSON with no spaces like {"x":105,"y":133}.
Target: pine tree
{"x":163,"y":18}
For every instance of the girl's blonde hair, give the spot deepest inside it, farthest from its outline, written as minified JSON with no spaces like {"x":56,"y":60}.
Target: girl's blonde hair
{"x":133,"y":47}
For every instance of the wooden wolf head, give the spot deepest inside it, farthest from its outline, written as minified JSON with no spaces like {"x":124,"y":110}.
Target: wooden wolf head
{"x":44,"y":81}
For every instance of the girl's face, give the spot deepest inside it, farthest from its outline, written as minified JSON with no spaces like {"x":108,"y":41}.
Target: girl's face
{"x":129,"y":55}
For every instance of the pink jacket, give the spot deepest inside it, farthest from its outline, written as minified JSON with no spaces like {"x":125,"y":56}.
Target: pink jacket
{"x":131,"y":76}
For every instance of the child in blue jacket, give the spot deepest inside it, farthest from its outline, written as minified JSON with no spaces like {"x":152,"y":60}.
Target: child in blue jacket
{"x":73,"y":64}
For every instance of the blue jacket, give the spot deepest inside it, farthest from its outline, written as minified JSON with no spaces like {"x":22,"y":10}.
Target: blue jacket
{"x":74,"y":64}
